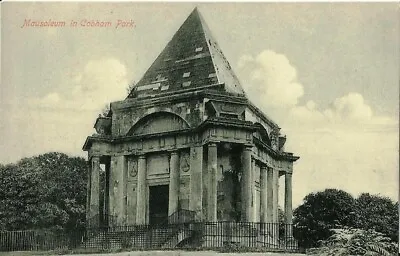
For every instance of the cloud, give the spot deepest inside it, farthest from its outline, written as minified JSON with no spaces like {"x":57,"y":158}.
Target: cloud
{"x":350,"y":107}
{"x":99,"y":83}
{"x":273,"y":86}
{"x":347,"y":112}
{"x":61,"y":121}
{"x":274,"y":79}
{"x":352,"y":160}
{"x":344,"y":145}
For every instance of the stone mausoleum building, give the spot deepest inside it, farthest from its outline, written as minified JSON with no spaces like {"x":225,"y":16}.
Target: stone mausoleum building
{"x":188,"y":138}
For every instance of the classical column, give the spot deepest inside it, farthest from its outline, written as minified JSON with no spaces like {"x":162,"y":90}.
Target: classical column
{"x":288,"y":204}
{"x":253,"y":191}
{"x":173,"y":183}
{"x":95,"y":189}
{"x":275,"y":187}
{"x":141,"y":191}
{"x":89,"y":171}
{"x":106,"y":191}
{"x":247,"y":184}
{"x":212,"y":182}
{"x":196,"y":181}
{"x":263,"y":194}
{"x":117,"y":191}
{"x":270,"y":195}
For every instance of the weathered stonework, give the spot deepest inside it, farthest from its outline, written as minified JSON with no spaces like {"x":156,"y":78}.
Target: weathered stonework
{"x":188,"y":130}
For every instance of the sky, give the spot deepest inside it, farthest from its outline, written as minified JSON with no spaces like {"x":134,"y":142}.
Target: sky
{"x":327,"y":73}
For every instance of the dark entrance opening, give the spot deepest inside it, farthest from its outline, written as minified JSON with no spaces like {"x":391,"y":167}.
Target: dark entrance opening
{"x":158,"y":205}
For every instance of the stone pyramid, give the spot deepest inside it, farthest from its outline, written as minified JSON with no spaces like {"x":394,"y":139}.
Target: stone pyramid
{"x":191,"y":60}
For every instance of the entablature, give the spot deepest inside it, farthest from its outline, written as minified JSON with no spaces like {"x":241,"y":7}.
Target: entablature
{"x":263,"y":148}
{"x":213,"y":129}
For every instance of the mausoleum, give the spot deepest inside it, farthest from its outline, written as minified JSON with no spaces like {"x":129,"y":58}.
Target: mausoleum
{"x":188,"y":138}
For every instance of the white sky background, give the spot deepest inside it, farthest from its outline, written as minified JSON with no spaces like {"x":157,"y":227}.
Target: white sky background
{"x":328,"y":74}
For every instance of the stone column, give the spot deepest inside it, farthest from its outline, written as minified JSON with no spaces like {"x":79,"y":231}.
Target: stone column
{"x":196,"y":181}
{"x":247,"y":184}
{"x":212,"y":182}
{"x":288,"y":204}
{"x":275,"y":187}
{"x":117,"y":203}
{"x":263,"y":194}
{"x":89,"y":171}
{"x":253,"y":191}
{"x":173,"y":183}
{"x":95,"y":190}
{"x":141,"y":202}
{"x":106,"y":192}
{"x":270,"y":195}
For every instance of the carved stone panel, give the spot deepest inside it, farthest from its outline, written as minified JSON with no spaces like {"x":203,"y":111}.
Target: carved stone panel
{"x":185,"y":162}
{"x":132,"y":167}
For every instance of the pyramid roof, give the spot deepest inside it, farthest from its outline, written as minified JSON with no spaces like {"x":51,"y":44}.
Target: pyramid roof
{"x":192,"y":59}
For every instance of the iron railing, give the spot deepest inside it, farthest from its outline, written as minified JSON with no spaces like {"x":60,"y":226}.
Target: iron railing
{"x":181,"y":234}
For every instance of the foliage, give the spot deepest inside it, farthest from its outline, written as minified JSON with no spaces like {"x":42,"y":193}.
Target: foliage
{"x":319,"y":213}
{"x":356,"y":242}
{"x":45,"y":191}
{"x":332,"y":208}
{"x":378,"y":213}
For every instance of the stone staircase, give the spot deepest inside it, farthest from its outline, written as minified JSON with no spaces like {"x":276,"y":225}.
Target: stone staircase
{"x":167,"y":234}
{"x":178,"y":237}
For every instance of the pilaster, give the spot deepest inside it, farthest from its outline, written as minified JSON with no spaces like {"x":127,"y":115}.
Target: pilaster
{"x":196,"y":181}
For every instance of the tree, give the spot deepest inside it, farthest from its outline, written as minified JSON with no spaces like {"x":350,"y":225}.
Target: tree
{"x":319,"y":213}
{"x":356,"y":242}
{"x":45,"y":191}
{"x":378,"y":213}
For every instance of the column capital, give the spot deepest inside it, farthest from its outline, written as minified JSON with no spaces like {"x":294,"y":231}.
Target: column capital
{"x":95,"y":158}
{"x":175,"y":152}
{"x":142,"y":156}
{"x":212,"y":144}
{"x":248,"y":147}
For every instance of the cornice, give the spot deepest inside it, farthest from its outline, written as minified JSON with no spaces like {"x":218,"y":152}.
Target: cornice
{"x":275,"y":154}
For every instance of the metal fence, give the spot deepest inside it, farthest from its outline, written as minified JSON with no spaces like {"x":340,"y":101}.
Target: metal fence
{"x":162,"y":236}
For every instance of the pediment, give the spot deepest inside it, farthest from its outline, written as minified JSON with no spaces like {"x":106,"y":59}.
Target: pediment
{"x":262,"y":134}
{"x":158,"y":123}
{"x":226,"y":109}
